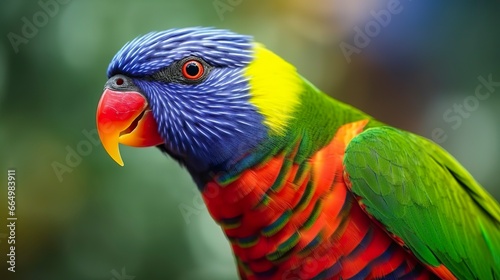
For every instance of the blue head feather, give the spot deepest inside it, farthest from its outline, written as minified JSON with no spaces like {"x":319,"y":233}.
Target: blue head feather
{"x":207,"y":126}
{"x":149,"y":53}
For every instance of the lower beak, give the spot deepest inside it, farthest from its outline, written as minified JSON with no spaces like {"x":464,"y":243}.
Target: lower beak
{"x":125,"y":117}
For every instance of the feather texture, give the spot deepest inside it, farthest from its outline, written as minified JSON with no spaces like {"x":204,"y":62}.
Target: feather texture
{"x":283,"y":224}
{"x":422,"y":196}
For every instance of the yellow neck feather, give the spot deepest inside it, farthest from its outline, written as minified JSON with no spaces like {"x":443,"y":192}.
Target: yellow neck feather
{"x":275,"y":87}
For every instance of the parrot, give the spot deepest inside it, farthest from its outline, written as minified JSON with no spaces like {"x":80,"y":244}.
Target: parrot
{"x":302,"y":185}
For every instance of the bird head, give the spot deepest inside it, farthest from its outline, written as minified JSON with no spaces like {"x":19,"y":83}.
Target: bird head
{"x":205,"y":96}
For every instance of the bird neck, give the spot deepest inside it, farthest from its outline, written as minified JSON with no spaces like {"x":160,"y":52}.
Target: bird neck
{"x":312,"y":127}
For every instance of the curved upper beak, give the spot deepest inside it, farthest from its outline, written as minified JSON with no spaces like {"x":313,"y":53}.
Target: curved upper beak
{"x":125,"y":117}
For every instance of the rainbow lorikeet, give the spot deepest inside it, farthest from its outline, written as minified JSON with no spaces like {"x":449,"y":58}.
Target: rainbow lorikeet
{"x":303,"y":186}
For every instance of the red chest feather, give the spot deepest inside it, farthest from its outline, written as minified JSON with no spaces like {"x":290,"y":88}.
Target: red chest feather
{"x":297,"y":220}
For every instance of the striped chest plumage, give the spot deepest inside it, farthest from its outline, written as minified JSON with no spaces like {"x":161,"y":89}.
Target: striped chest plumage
{"x":297,"y":220}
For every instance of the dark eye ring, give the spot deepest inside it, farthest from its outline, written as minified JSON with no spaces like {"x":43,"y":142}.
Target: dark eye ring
{"x":192,"y":69}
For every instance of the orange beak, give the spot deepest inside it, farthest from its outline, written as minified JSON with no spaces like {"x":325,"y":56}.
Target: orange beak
{"x":125,"y":117}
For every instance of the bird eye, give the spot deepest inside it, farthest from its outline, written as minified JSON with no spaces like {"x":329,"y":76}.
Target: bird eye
{"x":192,"y":70}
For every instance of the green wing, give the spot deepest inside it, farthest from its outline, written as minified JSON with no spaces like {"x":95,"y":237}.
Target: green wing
{"x":424,"y":196}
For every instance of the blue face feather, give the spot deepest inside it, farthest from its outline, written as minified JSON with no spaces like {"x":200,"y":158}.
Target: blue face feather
{"x":207,"y":125}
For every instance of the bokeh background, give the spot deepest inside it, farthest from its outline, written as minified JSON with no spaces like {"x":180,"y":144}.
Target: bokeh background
{"x":92,"y":219}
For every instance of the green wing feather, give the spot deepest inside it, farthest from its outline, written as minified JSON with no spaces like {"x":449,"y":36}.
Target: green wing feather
{"x":422,"y":195}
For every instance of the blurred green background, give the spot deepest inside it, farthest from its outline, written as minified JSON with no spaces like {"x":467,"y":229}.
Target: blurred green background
{"x":92,"y":219}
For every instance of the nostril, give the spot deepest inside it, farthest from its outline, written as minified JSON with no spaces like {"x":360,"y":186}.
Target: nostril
{"x":119,"y":81}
